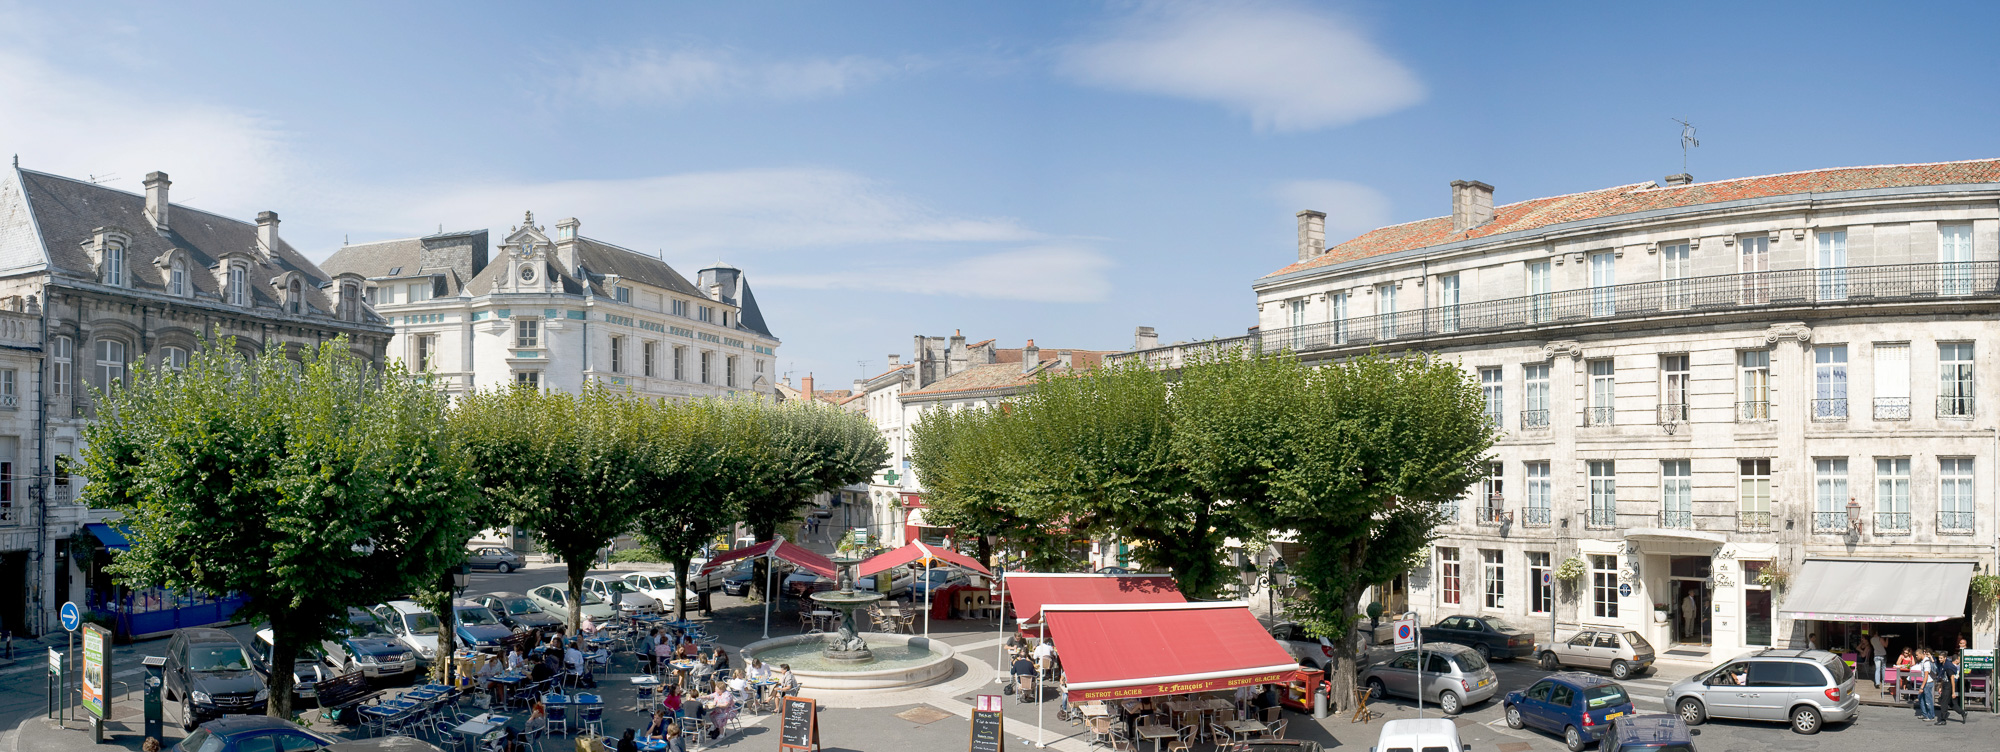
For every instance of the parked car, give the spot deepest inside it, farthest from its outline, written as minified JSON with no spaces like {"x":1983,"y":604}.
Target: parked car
{"x":308,"y":668}
{"x":736,"y":578}
{"x":704,"y":583}
{"x":617,"y":591}
{"x":495,"y":558}
{"x":384,"y":744}
{"x":477,"y":627}
{"x":1454,"y":676}
{"x":1427,"y":734}
{"x":1492,"y":636}
{"x":1314,"y":652}
{"x":802,"y":582}
{"x":554,"y":599}
{"x":369,"y":648}
{"x":413,"y":626}
{"x":660,"y":586}
{"x":1649,"y":732}
{"x":937,"y":579}
{"x":1621,"y":651}
{"x":252,"y":733}
{"x":1806,"y":688}
{"x":1577,"y":706}
{"x":518,"y":611}
{"x":210,"y":674}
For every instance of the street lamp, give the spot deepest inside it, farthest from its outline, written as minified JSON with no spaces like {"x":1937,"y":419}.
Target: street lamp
{"x":460,"y":578}
{"x":1248,"y":574}
{"x":1281,"y":577}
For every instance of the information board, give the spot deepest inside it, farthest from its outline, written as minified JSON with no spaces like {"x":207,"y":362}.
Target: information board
{"x":988,"y":726}
{"x":1978,"y":660}
{"x":96,"y":670}
{"x":801,"y":725}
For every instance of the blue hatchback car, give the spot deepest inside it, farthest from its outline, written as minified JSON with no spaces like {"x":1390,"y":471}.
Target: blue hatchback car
{"x":1578,"y":706}
{"x":241,"y":733}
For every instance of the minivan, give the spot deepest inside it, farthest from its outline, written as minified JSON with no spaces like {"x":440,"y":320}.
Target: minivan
{"x":413,"y":626}
{"x":1805,"y":688}
{"x":1454,"y":676}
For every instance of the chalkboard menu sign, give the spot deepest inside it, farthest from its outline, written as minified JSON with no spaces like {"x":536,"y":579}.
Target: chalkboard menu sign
{"x":987,"y":725}
{"x":801,"y":725}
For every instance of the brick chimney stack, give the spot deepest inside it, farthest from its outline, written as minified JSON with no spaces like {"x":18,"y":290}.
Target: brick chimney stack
{"x":1031,"y":356}
{"x":1471,"y":204}
{"x":267,"y":232}
{"x":806,"y":388}
{"x":1676,"y":181}
{"x":1312,"y":234}
{"x":156,"y":198}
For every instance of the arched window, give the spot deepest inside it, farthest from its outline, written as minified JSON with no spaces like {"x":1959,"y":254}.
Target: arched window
{"x":173,"y":358}
{"x":177,"y":278}
{"x":239,"y":293}
{"x":295,"y":296}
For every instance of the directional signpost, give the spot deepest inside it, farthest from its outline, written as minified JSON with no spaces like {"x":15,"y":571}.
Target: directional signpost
{"x":72,"y":617}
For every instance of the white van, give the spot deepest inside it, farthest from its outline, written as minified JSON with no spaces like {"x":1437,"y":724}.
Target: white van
{"x":1426,"y":735}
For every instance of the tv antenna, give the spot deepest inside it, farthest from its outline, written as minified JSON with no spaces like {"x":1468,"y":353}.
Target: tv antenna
{"x":102,"y":179}
{"x":863,"y":366}
{"x":1688,"y":141}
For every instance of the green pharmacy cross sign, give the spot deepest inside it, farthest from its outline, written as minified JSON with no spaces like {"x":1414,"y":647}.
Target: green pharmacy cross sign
{"x":891,"y":477}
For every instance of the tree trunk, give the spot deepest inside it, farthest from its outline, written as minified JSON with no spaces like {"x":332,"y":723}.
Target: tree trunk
{"x":1340,"y":667}
{"x":680,"y":589}
{"x":447,"y":633}
{"x":284,"y":658}
{"x":578,"y":567}
{"x":986,"y":550}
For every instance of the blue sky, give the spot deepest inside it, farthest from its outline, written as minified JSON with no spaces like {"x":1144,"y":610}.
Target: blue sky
{"x":1063,"y":170}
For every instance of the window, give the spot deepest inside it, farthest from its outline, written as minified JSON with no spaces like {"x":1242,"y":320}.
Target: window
{"x":680,"y":308}
{"x":1753,"y":494}
{"x":1673,"y":388}
{"x":1337,"y":302}
{"x":1753,"y":382}
{"x":680,"y":364}
{"x":177,"y":275}
{"x":528,"y":379}
{"x":527,"y":332}
{"x":1496,"y":577}
{"x":725,"y":318}
{"x":239,"y":293}
{"x":1756,"y":605}
{"x":1603,"y":493}
{"x":173,"y":358}
{"x":350,"y":306}
{"x":426,"y":351}
{"x":1489,"y":381}
{"x":420,"y":291}
{"x":648,"y":357}
{"x":1448,"y":303}
{"x":110,"y":363}
{"x":1540,"y":307}
{"x":1954,"y":259}
{"x":9,"y":379}
{"x":1297,"y":308}
{"x":1754,"y":262}
{"x":706,"y":356}
{"x":1448,"y":573}
{"x":387,"y":293}
{"x":295,"y":296}
{"x":114,"y":265}
{"x":1385,"y":308}
{"x":1675,"y":269}
{"x":1832,"y":264}
{"x":617,"y":354}
{"x":1539,"y":494}
{"x":1954,"y":380}
{"x":1536,"y":376}
{"x":1604,"y":586}
{"x":1603,"y":410}
{"x":1892,"y":494}
{"x":729,"y":371}
{"x":1955,"y":494}
{"x":760,"y":366}
{"x":1676,"y":494}
{"x":1492,"y":495}
{"x":706,"y":313}
{"x":59,"y":366}
{"x":1892,"y":381}
{"x":621,"y":294}
{"x":1541,"y":583}
{"x":1830,"y":382}
{"x":1603,"y":278}
{"x":1830,"y":494}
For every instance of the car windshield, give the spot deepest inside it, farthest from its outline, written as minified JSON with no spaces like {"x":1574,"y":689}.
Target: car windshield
{"x":521,"y":606}
{"x":1637,"y":642}
{"x":1500,"y":625}
{"x":659,"y":582}
{"x":477,"y":617}
{"x":1469,"y":662}
{"x":1604,"y":696}
{"x":195,"y":742}
{"x":421,"y":622}
{"x":619,"y":586}
{"x":940,"y":576}
{"x":216,"y":658}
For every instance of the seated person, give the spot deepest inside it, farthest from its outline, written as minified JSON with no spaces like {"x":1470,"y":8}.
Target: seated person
{"x":657,"y":728}
{"x":787,"y":683}
{"x":757,"y":670}
{"x":1024,"y":676}
{"x":543,"y":669}
{"x":721,"y":707}
{"x":672,"y":702}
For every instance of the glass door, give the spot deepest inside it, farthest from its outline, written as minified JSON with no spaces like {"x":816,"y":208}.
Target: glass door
{"x":1754,"y":263}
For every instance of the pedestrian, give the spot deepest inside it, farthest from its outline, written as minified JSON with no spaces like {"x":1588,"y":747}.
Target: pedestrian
{"x":1862,"y":655}
{"x":1880,"y":644}
{"x":1947,"y":676}
{"x":1926,"y":686}
{"x":1689,"y":613}
{"x":152,"y":744}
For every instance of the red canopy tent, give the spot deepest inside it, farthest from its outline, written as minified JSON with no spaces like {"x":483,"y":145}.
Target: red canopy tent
{"x":777,"y":548}
{"x":914,"y":552}
{"x":1133,"y":650}
{"x":1033,"y":592}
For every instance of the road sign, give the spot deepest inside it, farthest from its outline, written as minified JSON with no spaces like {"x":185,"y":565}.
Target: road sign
{"x":71,"y":618}
{"x":1978,"y":660}
{"x":55,"y":661}
{"x":1625,"y":590}
{"x":1406,"y":634}
{"x":1547,"y":578}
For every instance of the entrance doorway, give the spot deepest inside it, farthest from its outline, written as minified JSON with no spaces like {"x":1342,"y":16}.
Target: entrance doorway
{"x":1689,"y":612}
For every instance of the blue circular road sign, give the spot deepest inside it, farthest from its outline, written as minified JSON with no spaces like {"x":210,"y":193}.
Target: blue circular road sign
{"x":1402,"y":631}
{"x":1625,"y":589}
{"x":70,"y":618}
{"x":1546,"y":578}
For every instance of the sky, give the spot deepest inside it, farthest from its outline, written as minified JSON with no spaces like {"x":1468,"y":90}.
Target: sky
{"x":1062,"y":171}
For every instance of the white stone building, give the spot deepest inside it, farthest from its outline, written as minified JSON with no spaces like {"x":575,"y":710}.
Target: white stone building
{"x":1716,"y":396}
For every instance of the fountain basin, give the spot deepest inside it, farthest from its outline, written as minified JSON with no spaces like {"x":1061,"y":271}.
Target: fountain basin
{"x":900,"y":661}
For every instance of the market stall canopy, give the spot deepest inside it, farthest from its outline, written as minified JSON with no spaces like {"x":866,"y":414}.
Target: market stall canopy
{"x":914,"y":552}
{"x":777,"y":548}
{"x":1878,"y":590}
{"x":113,"y":537}
{"x":1134,"y":650}
{"x":1033,"y":592}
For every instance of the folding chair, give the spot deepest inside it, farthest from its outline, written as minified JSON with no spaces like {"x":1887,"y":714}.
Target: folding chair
{"x":1273,"y":713}
{"x":558,"y":716}
{"x":642,"y":699}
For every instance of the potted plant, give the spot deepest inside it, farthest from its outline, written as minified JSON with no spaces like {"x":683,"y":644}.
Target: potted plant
{"x":1659,"y":613}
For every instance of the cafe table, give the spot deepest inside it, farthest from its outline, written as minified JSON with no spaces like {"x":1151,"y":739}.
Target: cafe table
{"x":1243,"y":729}
{"x":1156,"y":732}
{"x":475,"y":730}
{"x":1184,"y":708}
{"x":1094,"y":709}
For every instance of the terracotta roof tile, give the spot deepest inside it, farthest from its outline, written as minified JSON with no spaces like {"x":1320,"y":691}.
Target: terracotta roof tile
{"x":987,"y":376}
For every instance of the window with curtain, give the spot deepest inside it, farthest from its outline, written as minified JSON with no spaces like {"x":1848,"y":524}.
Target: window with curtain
{"x":1540,"y":492}
{"x":1495,"y":563}
{"x":1603,"y":493}
{"x":1448,"y":575}
{"x":1892,"y":493}
{"x":1954,"y":380}
{"x":1830,"y":493}
{"x":1385,"y":309}
{"x":1955,"y":486}
{"x":1892,"y":381}
{"x":1753,"y":262}
{"x":1448,"y":303}
{"x":1536,"y":377}
{"x":1830,"y":382}
{"x":1338,"y":303}
{"x":60,"y":352}
{"x":1753,"y":380}
{"x":1674,"y":377}
{"x":1753,"y":494}
{"x":1831,"y":255}
{"x":1489,"y":384}
{"x":177,"y":278}
{"x":1955,"y":259}
{"x":1674,"y":271}
{"x":1540,"y":285}
{"x":1603,"y":278}
{"x":1603,"y":409}
{"x":1676,"y":494}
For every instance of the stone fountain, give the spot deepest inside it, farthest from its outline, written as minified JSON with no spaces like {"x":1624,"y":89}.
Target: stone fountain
{"x":847,"y":645}
{"x":850,"y":659}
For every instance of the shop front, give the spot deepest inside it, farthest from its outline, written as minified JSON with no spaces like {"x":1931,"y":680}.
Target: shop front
{"x":1910,"y":603}
{"x":1701,"y":591}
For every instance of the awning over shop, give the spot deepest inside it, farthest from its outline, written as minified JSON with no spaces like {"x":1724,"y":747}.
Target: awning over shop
{"x":1133,"y":650}
{"x":777,"y":548}
{"x":1878,"y":590}
{"x":1033,"y":592}
{"x":914,"y":552}
{"x":113,"y":538}
{"x":916,"y":519}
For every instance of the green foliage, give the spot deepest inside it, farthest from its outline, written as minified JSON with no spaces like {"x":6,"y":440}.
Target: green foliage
{"x":1986,"y":588}
{"x":970,"y":462}
{"x":700,"y":460}
{"x":640,"y":555}
{"x":1570,"y":570}
{"x":802,"y":450}
{"x":308,"y":486}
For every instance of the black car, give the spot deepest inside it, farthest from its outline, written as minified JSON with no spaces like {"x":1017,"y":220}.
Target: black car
{"x":517,"y":612}
{"x":210,"y":674}
{"x":1491,"y":636}
{"x":738,"y":581}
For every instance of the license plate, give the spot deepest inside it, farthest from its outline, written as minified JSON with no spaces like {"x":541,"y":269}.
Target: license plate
{"x":1484,"y":682}
{"x":1609,"y":716}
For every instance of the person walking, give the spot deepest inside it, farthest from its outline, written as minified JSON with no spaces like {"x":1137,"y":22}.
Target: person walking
{"x":1926,"y":686}
{"x":1947,"y":679}
{"x":1863,"y":654}
{"x":1690,"y":614}
{"x":1880,"y":644}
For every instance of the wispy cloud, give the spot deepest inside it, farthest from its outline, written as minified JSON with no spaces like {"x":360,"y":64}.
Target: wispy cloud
{"x":1055,"y":273}
{"x":1287,"y":68}
{"x":1351,"y":208}
{"x":688,"y":74}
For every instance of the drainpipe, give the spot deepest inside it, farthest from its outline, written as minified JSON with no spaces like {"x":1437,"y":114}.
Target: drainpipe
{"x":42,"y":475}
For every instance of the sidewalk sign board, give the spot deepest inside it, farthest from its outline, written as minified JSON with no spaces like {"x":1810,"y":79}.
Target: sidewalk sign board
{"x":800,"y":725}
{"x":1406,"y":634}
{"x":988,"y":726}
{"x":96,"y":670}
{"x":1978,"y":660}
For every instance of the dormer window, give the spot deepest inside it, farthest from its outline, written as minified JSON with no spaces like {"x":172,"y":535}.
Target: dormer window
{"x":177,"y":278}
{"x":295,"y":296}
{"x":114,"y":265}
{"x":239,"y":285}
{"x":350,"y":302}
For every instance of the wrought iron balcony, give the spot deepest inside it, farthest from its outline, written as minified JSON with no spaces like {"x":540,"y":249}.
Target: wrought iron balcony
{"x":1753,"y":412}
{"x":1673,"y":412}
{"x":1829,"y":522}
{"x":1892,"y":522}
{"x":1535,"y":517}
{"x":1955,"y":521}
{"x":1491,"y":512}
{"x":1892,"y":408}
{"x":1677,"y":519}
{"x":1830,"y":408}
{"x":1955,"y":407}
{"x":1449,"y":511}
{"x":1600,"y":416}
{"x":1753,"y":520}
{"x":1601,"y":517}
{"x":1534,"y":419}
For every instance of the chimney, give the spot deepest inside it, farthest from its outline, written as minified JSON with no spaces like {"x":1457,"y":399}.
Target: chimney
{"x":1062,"y":359}
{"x":156,"y":198}
{"x":1144,"y":338}
{"x":566,"y":231}
{"x":895,"y":360}
{"x":267,"y":232}
{"x":1675,"y":181}
{"x":1312,"y":234}
{"x":806,"y":387}
{"x":957,"y":358}
{"x":1471,"y":204}
{"x":1031,"y":356}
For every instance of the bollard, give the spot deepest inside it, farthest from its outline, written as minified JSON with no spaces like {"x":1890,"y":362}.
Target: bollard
{"x":1319,"y":702}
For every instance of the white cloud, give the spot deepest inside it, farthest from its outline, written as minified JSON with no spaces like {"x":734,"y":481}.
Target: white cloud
{"x":1289,"y":69}
{"x":1351,"y":208}
{"x":653,"y":76}
{"x":1040,"y":274}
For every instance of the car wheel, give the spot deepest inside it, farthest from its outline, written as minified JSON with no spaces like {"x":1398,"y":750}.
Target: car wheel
{"x":1573,"y":739}
{"x":1549,"y":662}
{"x":187,"y":714}
{"x":1485,"y":653}
{"x":1375,"y":689}
{"x":1692,"y":713}
{"x":1805,"y":720}
{"x":1449,"y":703}
{"x":1621,"y":670}
{"x":505,"y":567}
{"x":1514,"y":718}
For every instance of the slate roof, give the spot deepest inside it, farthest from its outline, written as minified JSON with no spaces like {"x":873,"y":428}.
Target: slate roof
{"x":990,"y":376}
{"x":1639,"y":197}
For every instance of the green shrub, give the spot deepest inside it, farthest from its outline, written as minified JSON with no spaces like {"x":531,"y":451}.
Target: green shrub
{"x":642,"y":554}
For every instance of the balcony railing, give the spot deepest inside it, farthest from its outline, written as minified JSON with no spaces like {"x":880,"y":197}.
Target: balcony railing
{"x":1449,"y":511}
{"x":1829,"y":522}
{"x":1892,"y":408}
{"x":1490,"y":513}
{"x":1729,"y":292}
{"x":1955,"y":407}
{"x":1753,"y":520}
{"x":1892,"y":522}
{"x":1673,"y":413}
{"x":1753,"y":412}
{"x":1830,"y":408}
{"x":1600,"y":416}
{"x":1677,"y":519}
{"x":1601,"y":518}
{"x":1535,"y":517}
{"x":1955,"y":522}
{"x":1534,"y":419}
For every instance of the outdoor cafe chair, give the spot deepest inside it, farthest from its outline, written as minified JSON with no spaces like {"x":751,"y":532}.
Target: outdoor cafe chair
{"x":592,"y":717}
{"x":558,"y":716}
{"x":1277,"y":729}
{"x":1273,"y":713}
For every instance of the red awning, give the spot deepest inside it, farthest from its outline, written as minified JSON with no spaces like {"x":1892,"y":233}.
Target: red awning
{"x":1031,"y":591}
{"x":914,"y":552}
{"x":777,"y":548}
{"x":1151,"y":649}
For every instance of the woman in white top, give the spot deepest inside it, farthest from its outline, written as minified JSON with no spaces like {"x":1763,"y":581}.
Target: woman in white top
{"x":758,"y":670}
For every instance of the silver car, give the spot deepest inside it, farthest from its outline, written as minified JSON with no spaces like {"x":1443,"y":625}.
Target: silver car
{"x":1621,"y":651}
{"x":1453,"y":677}
{"x":1805,"y":688}
{"x":495,"y":558}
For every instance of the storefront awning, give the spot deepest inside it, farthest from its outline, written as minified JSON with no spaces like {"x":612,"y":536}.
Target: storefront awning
{"x":1878,"y":590}
{"x":1033,"y":592}
{"x":916,"y":519}
{"x":777,"y":548}
{"x":1126,"y":651}
{"x":914,"y":552}
{"x":113,"y":538}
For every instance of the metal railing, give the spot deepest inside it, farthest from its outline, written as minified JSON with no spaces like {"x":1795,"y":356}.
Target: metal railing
{"x":1448,"y":510}
{"x":1491,"y":512}
{"x":1955,"y":521}
{"x":1673,"y":412}
{"x":1753,"y":520}
{"x":1829,"y":408}
{"x":1601,"y":518}
{"x":1535,"y":517}
{"x":1829,"y":522}
{"x":1753,"y":412}
{"x":1534,"y":419}
{"x":1600,"y":416}
{"x":1892,"y":408}
{"x":1955,"y":407}
{"x":1892,"y":522}
{"x":1677,"y":519}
